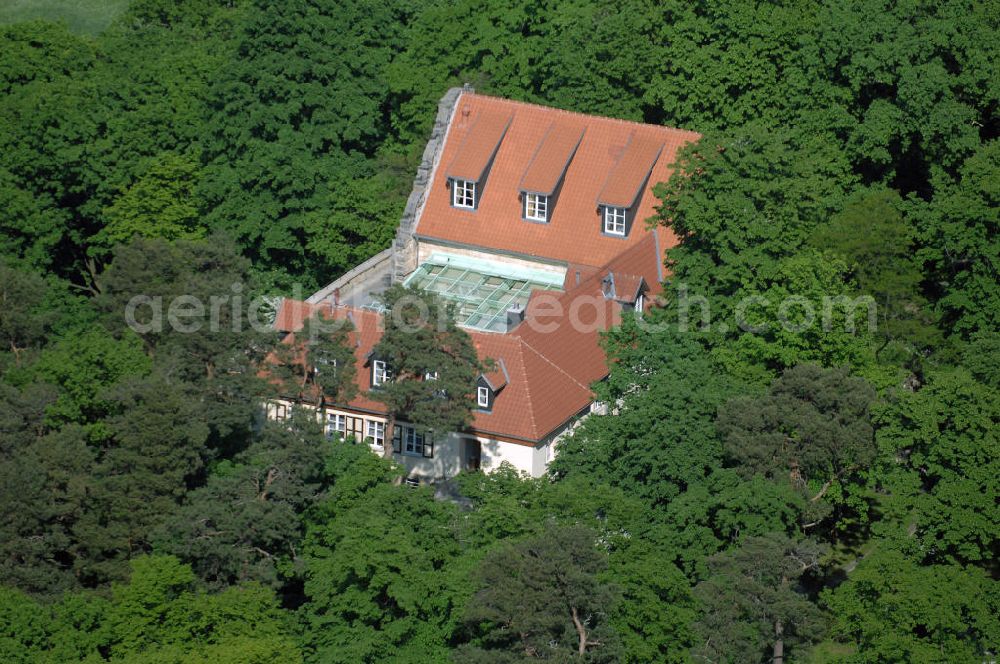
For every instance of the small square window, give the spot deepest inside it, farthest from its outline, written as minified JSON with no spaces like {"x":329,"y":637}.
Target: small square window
{"x":431,"y":375}
{"x":536,"y":207}
{"x":380,"y":373}
{"x":483,"y":397}
{"x":336,"y":424}
{"x":614,"y":220}
{"x":375,"y":432}
{"x":463,"y":194}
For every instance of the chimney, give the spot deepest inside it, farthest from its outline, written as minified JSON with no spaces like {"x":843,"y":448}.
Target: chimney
{"x":515,"y":316}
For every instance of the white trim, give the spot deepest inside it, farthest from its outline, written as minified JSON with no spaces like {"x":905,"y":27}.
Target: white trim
{"x":380,"y":372}
{"x":483,"y":397}
{"x":375,"y":430}
{"x":614,"y":220}
{"x":463,"y":194}
{"x":336,"y":423}
{"x":536,"y":207}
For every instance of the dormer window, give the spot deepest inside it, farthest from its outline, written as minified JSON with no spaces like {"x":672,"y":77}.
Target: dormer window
{"x":623,"y":190}
{"x":380,"y":373}
{"x":483,"y":397}
{"x":614,"y":220}
{"x":326,"y":364}
{"x":463,"y":194}
{"x":542,"y":180}
{"x":536,"y":207}
{"x":469,"y":171}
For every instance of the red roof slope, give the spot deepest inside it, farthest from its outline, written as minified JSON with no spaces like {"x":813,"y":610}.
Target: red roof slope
{"x":571,"y":341}
{"x":543,"y":369}
{"x":479,"y":145}
{"x":292,"y":314}
{"x":629,"y":174}
{"x":551,"y":159}
{"x":573,"y":233}
{"x":367,"y":330}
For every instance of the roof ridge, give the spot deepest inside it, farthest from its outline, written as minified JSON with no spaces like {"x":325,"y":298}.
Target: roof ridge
{"x":527,"y":387}
{"x":577,"y":113}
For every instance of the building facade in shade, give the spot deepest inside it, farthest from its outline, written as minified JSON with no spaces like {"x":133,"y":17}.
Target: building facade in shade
{"x":532,"y":222}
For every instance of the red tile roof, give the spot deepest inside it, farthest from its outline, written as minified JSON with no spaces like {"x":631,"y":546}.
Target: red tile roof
{"x":366,"y":333}
{"x":625,"y":181}
{"x":479,"y":144}
{"x":551,"y":159}
{"x":543,"y":369}
{"x":292,"y":314}
{"x":571,"y":341}
{"x":574,"y":232}
{"x":626,"y":286}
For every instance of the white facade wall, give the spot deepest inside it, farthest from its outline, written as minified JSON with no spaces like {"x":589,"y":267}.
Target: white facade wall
{"x":446,"y":462}
{"x":452,"y":453}
{"x":495,"y":452}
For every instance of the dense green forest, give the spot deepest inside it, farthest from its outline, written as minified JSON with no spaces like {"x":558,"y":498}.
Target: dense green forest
{"x":830,"y":490}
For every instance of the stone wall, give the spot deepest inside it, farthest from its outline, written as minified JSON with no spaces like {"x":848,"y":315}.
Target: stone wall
{"x":404,"y":247}
{"x":355,"y":286}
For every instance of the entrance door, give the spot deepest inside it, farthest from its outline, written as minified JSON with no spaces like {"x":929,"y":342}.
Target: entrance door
{"x":471,"y":454}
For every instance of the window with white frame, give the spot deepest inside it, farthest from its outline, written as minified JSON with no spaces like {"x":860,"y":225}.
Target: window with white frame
{"x":380,"y":372}
{"x":407,"y":440}
{"x":536,"y":207}
{"x":336,"y":424}
{"x":431,"y":375}
{"x":483,"y":397}
{"x":413,"y":442}
{"x":463,"y":193}
{"x":614,"y":220}
{"x":326,"y":364}
{"x":375,"y":432}
{"x":640,"y":302}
